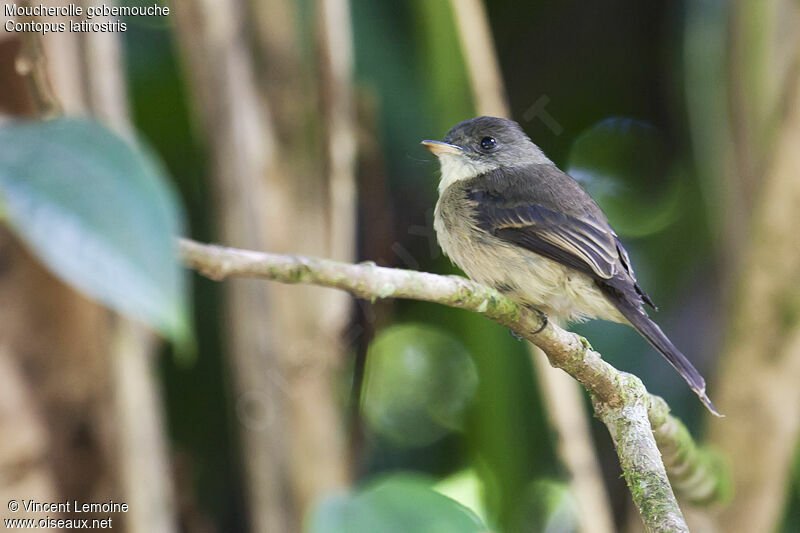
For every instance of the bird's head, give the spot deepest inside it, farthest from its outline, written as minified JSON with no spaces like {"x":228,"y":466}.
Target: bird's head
{"x":481,"y":145}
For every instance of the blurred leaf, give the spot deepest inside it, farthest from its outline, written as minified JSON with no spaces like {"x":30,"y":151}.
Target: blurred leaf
{"x":549,"y":507}
{"x":399,"y":503}
{"x":791,"y":516}
{"x":441,"y":61}
{"x":467,"y":488}
{"x":796,"y":470}
{"x":623,"y":163}
{"x":708,"y":105}
{"x":418,"y":383}
{"x":98,"y":212}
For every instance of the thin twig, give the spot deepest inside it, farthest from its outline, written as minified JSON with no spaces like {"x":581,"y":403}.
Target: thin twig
{"x":620,"y":399}
{"x":338,"y":111}
{"x":32,"y":64}
{"x":235,"y":122}
{"x":484,"y":72}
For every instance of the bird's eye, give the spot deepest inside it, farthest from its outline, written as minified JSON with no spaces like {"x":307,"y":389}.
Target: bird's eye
{"x":487,"y":143}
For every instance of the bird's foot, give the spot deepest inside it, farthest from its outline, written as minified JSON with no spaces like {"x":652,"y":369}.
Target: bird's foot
{"x":542,"y":317}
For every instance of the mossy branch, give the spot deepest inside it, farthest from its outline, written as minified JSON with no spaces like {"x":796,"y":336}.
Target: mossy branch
{"x":639,"y":423}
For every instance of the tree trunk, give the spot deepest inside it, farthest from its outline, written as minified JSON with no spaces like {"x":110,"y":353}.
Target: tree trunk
{"x":278,"y":190}
{"x":760,"y":367}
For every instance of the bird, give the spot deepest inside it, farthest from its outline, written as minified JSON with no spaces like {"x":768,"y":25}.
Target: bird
{"x":512,"y":220}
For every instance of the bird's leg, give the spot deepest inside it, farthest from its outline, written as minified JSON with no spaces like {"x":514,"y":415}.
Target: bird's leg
{"x":542,"y":317}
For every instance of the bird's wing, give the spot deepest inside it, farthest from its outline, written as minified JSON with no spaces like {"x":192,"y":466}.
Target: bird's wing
{"x":626,"y":264}
{"x":590,"y":246}
{"x":585,"y":244}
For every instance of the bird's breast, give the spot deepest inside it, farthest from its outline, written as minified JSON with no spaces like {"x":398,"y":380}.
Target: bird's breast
{"x":528,"y":278}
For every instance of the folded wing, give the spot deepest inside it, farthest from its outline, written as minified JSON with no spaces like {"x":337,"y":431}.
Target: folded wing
{"x":587,"y":245}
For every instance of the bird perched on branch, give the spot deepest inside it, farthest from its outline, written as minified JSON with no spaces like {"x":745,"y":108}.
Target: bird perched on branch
{"x":510,"y":219}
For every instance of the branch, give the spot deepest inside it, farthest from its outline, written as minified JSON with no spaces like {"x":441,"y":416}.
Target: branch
{"x":620,"y":399}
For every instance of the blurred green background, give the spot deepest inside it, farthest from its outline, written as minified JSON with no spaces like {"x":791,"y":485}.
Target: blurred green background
{"x":628,"y":97}
{"x":611,"y":76}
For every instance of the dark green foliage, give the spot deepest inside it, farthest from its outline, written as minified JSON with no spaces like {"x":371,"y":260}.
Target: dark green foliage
{"x":396,"y":504}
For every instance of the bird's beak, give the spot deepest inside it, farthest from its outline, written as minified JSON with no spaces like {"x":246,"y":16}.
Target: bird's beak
{"x":439,"y":148}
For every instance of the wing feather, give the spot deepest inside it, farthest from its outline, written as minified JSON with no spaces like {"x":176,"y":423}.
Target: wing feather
{"x":581,"y":243}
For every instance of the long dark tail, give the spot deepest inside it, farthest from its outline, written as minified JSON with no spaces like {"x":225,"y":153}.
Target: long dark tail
{"x":650,"y":331}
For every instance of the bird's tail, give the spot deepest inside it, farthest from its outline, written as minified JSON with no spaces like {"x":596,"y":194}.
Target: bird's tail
{"x":650,"y":331}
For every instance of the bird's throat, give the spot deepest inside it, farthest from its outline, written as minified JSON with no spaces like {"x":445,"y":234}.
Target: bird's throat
{"x":456,"y":167}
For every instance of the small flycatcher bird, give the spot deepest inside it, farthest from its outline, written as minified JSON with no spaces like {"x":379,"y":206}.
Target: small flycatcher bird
{"x":510,"y":219}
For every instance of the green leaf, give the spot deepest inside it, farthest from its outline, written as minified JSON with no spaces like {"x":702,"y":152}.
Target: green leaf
{"x":98,"y":212}
{"x":418,"y":384}
{"x":399,"y":503}
{"x":467,"y":488}
{"x":548,"y":506}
